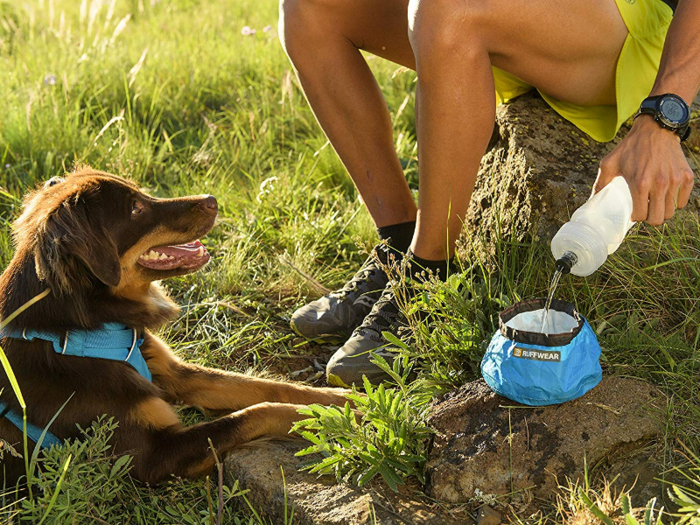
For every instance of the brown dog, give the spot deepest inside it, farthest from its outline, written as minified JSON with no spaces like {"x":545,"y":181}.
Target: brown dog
{"x":98,"y":243}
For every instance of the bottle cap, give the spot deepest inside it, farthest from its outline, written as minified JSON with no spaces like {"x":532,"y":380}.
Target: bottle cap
{"x":566,"y":262}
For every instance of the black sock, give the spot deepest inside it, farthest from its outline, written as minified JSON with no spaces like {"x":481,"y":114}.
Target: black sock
{"x":441,"y":269}
{"x":399,"y":236}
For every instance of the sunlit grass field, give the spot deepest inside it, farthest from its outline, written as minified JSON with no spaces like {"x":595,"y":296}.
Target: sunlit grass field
{"x":179,"y":96}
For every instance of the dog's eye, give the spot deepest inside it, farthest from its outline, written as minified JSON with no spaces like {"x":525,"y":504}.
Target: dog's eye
{"x":136,"y":208}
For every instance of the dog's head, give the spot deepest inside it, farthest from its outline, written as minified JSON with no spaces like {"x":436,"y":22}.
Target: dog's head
{"x":92,"y":230}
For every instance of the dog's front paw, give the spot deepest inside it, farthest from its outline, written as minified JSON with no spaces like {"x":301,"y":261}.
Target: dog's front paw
{"x":335,"y":396}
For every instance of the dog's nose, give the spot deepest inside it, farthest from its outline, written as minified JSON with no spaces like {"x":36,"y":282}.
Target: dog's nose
{"x":209,"y":204}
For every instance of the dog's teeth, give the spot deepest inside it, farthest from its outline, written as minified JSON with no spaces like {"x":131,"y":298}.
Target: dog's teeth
{"x":170,"y":257}
{"x":152,"y":255}
{"x":200,"y":253}
{"x":163,"y":256}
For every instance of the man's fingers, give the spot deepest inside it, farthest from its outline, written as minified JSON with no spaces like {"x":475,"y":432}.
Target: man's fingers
{"x":657,"y":202}
{"x":674,"y":185}
{"x":687,"y":179}
{"x":640,"y":200}
{"x":671,"y":202}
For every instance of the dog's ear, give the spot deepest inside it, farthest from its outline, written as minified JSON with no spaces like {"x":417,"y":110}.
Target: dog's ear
{"x":72,"y":247}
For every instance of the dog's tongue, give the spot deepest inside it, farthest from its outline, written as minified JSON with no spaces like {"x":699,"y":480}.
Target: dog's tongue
{"x":190,"y":255}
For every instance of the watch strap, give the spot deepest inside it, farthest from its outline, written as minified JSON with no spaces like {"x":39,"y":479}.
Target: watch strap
{"x":686,"y":133}
{"x":650,"y":106}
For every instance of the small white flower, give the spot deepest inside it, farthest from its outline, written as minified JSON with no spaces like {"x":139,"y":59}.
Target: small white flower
{"x":248,"y":31}
{"x":7,"y":166}
{"x":266,"y":187}
{"x":50,"y":79}
{"x":267,"y":29}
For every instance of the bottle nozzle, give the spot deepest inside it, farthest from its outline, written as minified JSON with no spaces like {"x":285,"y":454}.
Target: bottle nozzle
{"x":566,"y":262}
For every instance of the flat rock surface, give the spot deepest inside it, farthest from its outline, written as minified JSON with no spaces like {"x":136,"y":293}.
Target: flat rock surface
{"x":492,"y":444}
{"x":258,"y":467}
{"x":540,"y":169}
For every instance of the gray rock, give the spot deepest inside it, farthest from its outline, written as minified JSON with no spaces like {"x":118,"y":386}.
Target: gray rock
{"x":490,"y":444}
{"x":259,"y":465}
{"x":539,"y":170}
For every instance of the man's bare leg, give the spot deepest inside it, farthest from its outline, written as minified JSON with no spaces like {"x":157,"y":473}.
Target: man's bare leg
{"x":567,"y":49}
{"x":323,"y":39}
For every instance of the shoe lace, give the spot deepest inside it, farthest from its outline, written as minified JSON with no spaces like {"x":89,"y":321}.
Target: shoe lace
{"x":384,"y":316}
{"x":371,"y":271}
{"x":368,"y":273}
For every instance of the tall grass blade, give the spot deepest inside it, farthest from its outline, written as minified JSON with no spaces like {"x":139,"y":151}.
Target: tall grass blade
{"x":13,"y":380}
{"x":37,"y":448}
{"x":57,"y":491}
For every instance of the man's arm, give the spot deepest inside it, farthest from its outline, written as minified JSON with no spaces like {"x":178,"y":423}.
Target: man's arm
{"x":650,"y":157}
{"x":679,"y":71}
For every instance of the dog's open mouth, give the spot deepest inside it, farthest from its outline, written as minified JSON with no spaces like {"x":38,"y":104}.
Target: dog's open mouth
{"x":188,"y":256}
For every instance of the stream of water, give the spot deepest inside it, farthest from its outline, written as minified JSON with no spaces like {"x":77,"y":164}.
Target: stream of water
{"x":552,"y":288}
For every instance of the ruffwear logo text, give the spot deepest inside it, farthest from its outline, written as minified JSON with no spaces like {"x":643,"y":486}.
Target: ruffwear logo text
{"x":537,"y":355}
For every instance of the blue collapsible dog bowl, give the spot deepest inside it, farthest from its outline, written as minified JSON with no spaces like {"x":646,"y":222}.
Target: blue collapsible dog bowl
{"x":534,"y":368}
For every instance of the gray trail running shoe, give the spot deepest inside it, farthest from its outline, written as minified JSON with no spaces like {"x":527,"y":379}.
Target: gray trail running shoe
{"x":333,"y":318}
{"x":352,"y":360}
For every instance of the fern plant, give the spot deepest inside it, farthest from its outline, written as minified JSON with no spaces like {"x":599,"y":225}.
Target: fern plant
{"x":384,"y":435}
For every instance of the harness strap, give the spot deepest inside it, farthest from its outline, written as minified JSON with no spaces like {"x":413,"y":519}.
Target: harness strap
{"x":113,"y":341}
{"x":33,"y":431}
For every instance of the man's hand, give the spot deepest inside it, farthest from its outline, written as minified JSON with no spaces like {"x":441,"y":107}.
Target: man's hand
{"x":651,"y":159}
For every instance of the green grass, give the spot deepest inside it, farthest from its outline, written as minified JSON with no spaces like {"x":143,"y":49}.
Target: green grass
{"x":174,"y":96}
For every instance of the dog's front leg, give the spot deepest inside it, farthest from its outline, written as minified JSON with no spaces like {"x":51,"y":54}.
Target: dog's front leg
{"x":185,"y":452}
{"x":217,"y":390}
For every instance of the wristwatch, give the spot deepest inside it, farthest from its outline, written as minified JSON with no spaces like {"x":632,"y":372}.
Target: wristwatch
{"x":669,"y":111}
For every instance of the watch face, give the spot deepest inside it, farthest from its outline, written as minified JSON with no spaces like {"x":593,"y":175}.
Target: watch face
{"x":673,"y":110}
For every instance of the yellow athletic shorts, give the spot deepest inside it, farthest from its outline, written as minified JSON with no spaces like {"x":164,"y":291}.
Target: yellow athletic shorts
{"x":647,"y":22}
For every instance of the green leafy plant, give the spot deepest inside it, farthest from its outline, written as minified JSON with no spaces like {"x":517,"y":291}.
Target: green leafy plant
{"x":689,"y":502}
{"x":385,"y":434}
{"x":688,"y":498}
{"x":80,"y":478}
{"x":451,"y":324}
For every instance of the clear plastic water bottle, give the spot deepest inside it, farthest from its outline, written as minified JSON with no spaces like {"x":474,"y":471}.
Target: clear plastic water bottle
{"x":595,"y":230}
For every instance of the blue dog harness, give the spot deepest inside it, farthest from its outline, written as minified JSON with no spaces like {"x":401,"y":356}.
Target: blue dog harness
{"x":114,"y":341}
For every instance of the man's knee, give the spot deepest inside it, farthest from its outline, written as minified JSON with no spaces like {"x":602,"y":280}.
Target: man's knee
{"x":296,"y":19}
{"x":302,"y":21}
{"x":291,"y":18}
{"x":438,"y":29}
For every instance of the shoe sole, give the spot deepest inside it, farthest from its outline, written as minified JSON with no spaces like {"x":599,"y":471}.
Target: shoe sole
{"x":334,"y":380}
{"x":321,"y":339}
